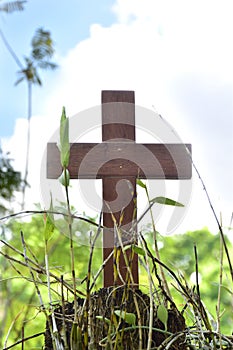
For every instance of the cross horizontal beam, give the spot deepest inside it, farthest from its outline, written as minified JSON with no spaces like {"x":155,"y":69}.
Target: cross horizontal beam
{"x":118,"y":159}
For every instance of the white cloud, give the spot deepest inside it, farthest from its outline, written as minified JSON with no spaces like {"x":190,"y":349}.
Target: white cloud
{"x":196,"y":34}
{"x":174,"y":54}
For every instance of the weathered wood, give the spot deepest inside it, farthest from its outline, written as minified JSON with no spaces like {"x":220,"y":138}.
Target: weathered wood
{"x":119,"y":158}
{"x":173,"y":159}
{"x":115,"y":104}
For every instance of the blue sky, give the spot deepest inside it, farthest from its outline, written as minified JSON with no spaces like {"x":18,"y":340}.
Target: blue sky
{"x":69,"y":23}
{"x":176,"y":55}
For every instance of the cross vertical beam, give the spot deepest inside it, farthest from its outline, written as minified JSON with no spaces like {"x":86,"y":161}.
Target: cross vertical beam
{"x":115,"y":104}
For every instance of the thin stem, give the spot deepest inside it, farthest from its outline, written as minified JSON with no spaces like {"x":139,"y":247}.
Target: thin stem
{"x":218,"y":307}
{"x":132,"y":280}
{"x":10,"y":328}
{"x":38,"y":269}
{"x":20,"y":65}
{"x":215,"y":216}
{"x":100,"y":270}
{"x":24,"y":340}
{"x":28,"y":212}
{"x":163,"y":278}
{"x":10,"y":50}
{"x":31,"y":273}
{"x":88,"y":281}
{"x":49,"y":288}
{"x":71,"y":248}
{"x":197,"y":275}
{"x":63,"y":314}
{"x":208,"y":198}
{"x":151,"y":318}
{"x":28,"y":143}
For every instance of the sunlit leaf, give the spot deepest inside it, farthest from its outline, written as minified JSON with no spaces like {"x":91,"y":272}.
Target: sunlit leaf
{"x":128,"y":317}
{"x":138,"y":250}
{"x":105,"y":319}
{"x":166,"y":201}
{"x":49,"y":223}
{"x":162,"y":314}
{"x":140,"y":183}
{"x":64,"y":139}
{"x":76,"y":337}
{"x":64,"y":178}
{"x":126,"y":247}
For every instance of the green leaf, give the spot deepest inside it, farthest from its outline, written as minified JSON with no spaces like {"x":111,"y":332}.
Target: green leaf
{"x":64,"y":178}
{"x":105,"y":319}
{"x":64,"y":140}
{"x":166,"y":201}
{"x":138,"y":250}
{"x":76,"y":337}
{"x":162,"y":315}
{"x":49,"y":224}
{"x":140,"y":183}
{"x":223,"y":286}
{"x":128,"y":317}
{"x":126,"y":247}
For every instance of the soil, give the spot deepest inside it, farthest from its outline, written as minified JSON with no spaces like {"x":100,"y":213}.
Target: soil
{"x":101,"y":304}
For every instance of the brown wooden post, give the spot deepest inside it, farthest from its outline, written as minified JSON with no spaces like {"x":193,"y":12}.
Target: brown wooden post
{"x":115,"y":104}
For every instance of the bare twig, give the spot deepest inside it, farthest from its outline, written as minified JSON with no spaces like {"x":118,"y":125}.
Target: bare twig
{"x":149,"y":342}
{"x":31,"y":212}
{"x":214,"y":214}
{"x":218,"y":306}
{"x":10,"y":328}
{"x":24,"y":340}
{"x":40,"y":270}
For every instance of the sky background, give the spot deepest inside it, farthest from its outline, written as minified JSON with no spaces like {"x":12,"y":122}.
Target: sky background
{"x":176,"y":55}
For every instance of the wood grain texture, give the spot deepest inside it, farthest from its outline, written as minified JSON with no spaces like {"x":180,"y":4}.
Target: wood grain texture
{"x":117,"y":159}
{"x":118,"y":123}
{"x":118,"y":115}
{"x":119,"y":205}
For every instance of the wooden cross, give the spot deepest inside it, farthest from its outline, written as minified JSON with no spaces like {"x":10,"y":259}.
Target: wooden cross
{"x":119,"y":157}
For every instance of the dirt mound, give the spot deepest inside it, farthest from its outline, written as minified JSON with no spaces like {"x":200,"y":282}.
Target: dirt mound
{"x":102,"y":307}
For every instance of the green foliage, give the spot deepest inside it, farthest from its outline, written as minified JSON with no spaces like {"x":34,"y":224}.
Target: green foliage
{"x":160,"y":199}
{"x":49,"y":224}
{"x":17,"y":288}
{"x":162,"y":315}
{"x":58,"y":253}
{"x":10,"y":180}
{"x":138,"y":250}
{"x":177,"y":252}
{"x":76,"y":337}
{"x":12,"y":6}
{"x":64,"y":178}
{"x":42,"y":47}
{"x":166,"y":201}
{"x":64,"y":145}
{"x":128,"y":317}
{"x":141,"y":184}
{"x":41,"y":53}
